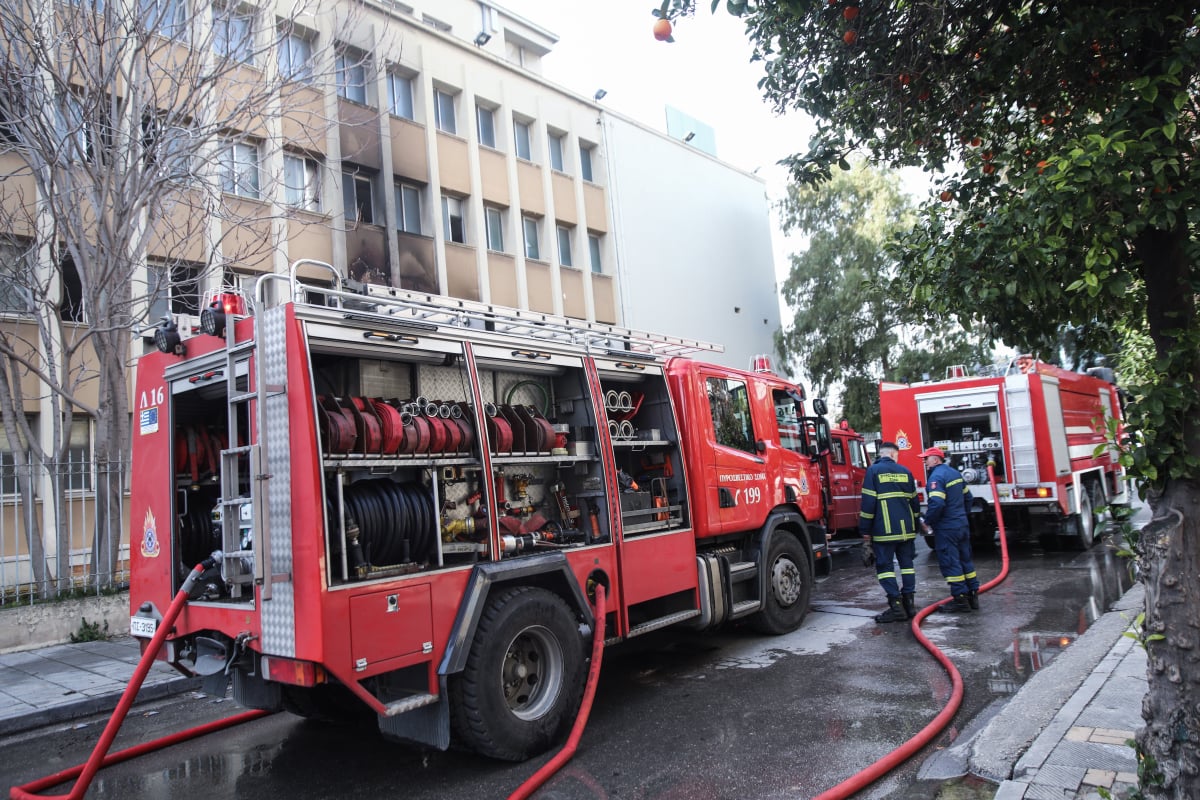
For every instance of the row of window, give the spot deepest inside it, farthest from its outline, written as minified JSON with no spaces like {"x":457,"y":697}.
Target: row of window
{"x":75,"y":471}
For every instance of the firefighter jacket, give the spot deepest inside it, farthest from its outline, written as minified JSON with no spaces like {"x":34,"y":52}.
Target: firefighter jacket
{"x":949,"y":499}
{"x":889,"y":503}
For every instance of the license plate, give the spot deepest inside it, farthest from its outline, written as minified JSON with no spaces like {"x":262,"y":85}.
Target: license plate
{"x":142,"y":627}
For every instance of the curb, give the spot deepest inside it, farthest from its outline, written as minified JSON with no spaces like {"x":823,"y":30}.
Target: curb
{"x":1008,"y":737}
{"x":100,"y":704}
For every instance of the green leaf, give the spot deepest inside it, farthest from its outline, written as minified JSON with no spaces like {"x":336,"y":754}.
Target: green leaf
{"x":1169,"y":131}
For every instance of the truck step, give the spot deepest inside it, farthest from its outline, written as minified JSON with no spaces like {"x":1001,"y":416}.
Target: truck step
{"x":409,"y":703}
{"x":662,"y":622}
{"x":744,"y":607}
{"x":742,"y":571}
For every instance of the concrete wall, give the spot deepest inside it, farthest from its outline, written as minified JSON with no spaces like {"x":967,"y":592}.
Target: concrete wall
{"x":694,"y":245}
{"x":27,"y":627}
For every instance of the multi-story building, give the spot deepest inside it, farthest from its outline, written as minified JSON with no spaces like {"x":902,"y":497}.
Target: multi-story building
{"x":420,"y":146}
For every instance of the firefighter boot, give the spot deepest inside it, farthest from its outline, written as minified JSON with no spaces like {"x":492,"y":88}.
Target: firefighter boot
{"x":973,"y":600}
{"x":957,"y":605}
{"x":895,"y":612}
{"x":910,"y":604}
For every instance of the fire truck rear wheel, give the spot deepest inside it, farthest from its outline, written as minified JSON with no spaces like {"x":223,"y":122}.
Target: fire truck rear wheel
{"x":1085,"y":523}
{"x":789,"y":586}
{"x":523,"y":679}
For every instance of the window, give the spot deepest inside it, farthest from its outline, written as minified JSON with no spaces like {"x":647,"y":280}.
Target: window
{"x":443,"y":111}
{"x":8,"y":461}
{"x":166,"y":17}
{"x":564,"y":245}
{"x":71,"y":131}
{"x":173,"y":289}
{"x":585,"y":163}
{"x":295,"y":56}
{"x":16,"y":274}
{"x":168,"y":144}
{"x":358,"y":197}
{"x":233,"y":33}
{"x":400,"y":96}
{"x":729,"y":404}
{"x":453,"y":223}
{"x":521,"y":140}
{"x":408,"y":208}
{"x":301,"y":182}
{"x":594,"y":252}
{"x":556,"y":151}
{"x":495,"y":228}
{"x":238,"y":168}
{"x":529,"y":227}
{"x":77,"y":471}
{"x":788,"y":421}
{"x":351,"y":67}
{"x":487,"y":126}
{"x":71,"y":307}
{"x":837,"y":452}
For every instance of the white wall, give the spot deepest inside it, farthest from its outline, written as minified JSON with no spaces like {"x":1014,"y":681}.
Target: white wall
{"x":694,"y":244}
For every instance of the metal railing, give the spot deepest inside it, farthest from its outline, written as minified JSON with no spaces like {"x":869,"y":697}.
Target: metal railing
{"x":53,"y":534}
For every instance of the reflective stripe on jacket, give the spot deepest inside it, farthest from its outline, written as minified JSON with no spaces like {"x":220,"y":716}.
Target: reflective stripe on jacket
{"x":889,"y":503}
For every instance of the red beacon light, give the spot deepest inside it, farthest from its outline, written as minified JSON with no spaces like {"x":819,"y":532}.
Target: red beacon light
{"x":761,"y":363}
{"x":218,"y":308}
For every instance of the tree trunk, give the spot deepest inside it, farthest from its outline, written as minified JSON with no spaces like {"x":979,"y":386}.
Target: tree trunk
{"x":1170,"y":551}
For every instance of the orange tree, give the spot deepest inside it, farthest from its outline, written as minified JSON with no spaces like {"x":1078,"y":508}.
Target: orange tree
{"x":1064,"y":137}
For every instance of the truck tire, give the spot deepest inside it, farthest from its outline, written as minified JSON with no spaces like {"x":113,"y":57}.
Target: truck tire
{"x":788,"y":587}
{"x":1085,"y":523}
{"x":523,"y":678}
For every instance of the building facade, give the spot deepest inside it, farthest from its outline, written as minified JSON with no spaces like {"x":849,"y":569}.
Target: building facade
{"x":416,"y":145}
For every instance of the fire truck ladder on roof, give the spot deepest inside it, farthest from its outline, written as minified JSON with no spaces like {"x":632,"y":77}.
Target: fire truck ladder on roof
{"x":368,"y":302}
{"x":1020,"y":429}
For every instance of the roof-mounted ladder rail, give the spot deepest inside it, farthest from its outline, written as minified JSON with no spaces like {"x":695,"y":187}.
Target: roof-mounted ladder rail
{"x":381,"y":303}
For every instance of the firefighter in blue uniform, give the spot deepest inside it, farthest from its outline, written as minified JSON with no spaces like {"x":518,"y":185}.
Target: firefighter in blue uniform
{"x":887,"y":521}
{"x":946,"y":512}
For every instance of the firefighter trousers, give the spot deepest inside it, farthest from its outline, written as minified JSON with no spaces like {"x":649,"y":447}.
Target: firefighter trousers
{"x":953,"y":548}
{"x":901,"y":553}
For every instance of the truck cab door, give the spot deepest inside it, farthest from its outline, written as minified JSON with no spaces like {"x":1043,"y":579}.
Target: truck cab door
{"x":736,"y":476}
{"x":844,"y":494}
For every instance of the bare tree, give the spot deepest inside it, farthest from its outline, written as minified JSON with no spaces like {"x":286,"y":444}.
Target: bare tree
{"x":133,"y":131}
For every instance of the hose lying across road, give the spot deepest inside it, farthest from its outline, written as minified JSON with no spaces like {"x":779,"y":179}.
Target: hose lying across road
{"x":84,"y":773}
{"x":874,"y":772}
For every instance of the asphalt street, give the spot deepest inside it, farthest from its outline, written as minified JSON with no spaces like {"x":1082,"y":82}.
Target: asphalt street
{"x":677,"y":715}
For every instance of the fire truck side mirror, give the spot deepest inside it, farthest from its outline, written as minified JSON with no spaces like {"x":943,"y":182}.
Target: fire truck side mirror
{"x":819,"y":407}
{"x":760,"y":446}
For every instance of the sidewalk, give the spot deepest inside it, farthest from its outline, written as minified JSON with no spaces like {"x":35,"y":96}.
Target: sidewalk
{"x":1063,"y":735}
{"x":66,"y":681}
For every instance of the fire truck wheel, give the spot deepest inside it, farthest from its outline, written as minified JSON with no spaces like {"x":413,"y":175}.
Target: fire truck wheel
{"x":523,"y":679}
{"x":789,"y":585}
{"x":1085,"y":524}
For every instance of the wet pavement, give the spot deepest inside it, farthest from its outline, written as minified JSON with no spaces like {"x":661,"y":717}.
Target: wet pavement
{"x":681,"y":715}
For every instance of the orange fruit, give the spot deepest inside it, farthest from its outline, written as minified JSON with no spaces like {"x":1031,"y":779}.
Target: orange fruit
{"x":662,"y":30}
{"x":850,"y":37}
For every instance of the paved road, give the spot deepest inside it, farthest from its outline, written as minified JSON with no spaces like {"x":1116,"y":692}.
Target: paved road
{"x":677,"y":715}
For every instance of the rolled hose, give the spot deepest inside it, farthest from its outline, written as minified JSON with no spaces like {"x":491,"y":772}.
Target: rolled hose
{"x":87,"y":771}
{"x":861,"y":780}
{"x":585,"y":709}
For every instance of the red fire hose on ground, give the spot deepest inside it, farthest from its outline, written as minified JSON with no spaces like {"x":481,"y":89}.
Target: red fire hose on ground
{"x":585,"y":708}
{"x":84,"y":773}
{"x":874,"y":772}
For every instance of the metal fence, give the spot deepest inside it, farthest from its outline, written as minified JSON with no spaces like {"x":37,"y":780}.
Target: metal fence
{"x":52,"y":536}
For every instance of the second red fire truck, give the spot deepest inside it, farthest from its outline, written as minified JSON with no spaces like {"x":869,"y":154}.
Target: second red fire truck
{"x":1046,"y":430}
{"x":404,"y":502}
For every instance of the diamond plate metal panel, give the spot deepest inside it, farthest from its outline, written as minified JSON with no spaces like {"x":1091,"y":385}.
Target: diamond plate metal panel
{"x":278,"y":613}
{"x":443,"y":383}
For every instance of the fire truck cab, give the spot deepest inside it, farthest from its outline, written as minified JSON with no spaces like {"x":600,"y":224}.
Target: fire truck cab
{"x":405,"y":501}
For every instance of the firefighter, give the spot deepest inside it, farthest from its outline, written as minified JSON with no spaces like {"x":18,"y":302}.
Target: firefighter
{"x":946,"y":513}
{"x":887,"y":521}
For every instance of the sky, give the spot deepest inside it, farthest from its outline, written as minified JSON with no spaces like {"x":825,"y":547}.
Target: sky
{"x":706,"y":73}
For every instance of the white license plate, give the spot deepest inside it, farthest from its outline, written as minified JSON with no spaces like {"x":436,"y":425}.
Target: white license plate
{"x":142,"y":627}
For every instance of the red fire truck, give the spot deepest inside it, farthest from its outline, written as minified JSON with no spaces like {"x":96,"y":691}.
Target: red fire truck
{"x":403,"y":502}
{"x":1044,"y":429}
